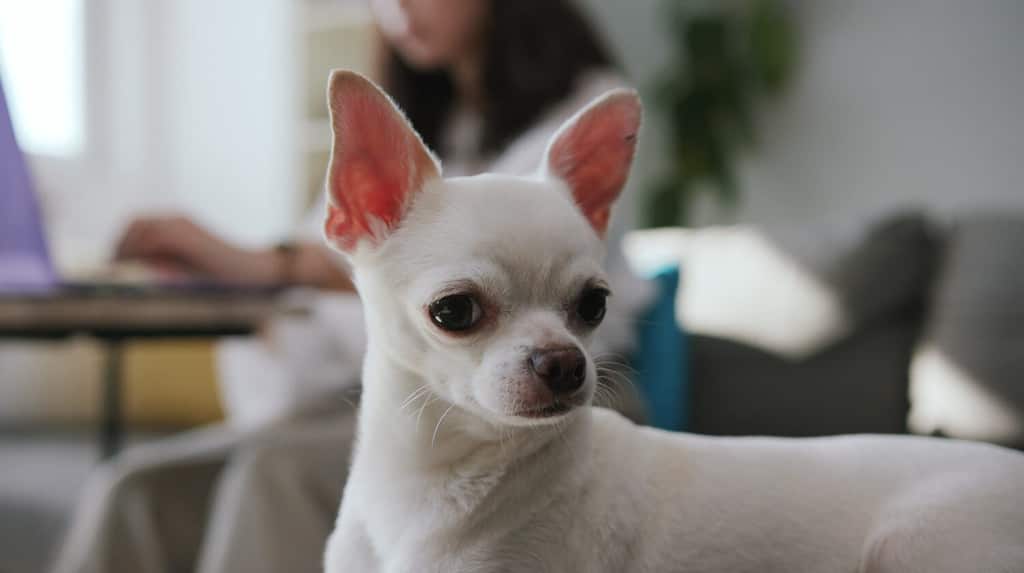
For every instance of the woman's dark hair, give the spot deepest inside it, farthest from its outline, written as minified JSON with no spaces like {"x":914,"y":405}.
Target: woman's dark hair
{"x":534,"y":53}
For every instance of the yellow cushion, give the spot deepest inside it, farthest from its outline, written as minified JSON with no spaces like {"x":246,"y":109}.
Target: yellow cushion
{"x":170,"y":383}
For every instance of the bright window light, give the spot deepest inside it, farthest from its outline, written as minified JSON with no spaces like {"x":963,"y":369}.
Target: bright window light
{"x":41,"y":59}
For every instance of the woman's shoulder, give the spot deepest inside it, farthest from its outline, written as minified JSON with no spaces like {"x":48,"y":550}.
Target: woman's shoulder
{"x":524,"y":154}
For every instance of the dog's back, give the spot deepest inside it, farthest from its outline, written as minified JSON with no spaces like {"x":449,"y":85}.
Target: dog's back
{"x":679,"y":502}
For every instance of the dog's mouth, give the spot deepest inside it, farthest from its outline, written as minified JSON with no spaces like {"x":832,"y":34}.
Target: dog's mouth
{"x":556,"y":408}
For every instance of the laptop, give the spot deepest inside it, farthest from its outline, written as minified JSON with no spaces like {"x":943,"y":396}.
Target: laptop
{"x":26,"y":267}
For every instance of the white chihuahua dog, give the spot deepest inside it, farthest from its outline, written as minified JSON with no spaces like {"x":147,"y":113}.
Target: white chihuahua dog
{"x":477,"y":448}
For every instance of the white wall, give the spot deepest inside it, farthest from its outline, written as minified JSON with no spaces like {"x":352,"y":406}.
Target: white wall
{"x":896,"y":103}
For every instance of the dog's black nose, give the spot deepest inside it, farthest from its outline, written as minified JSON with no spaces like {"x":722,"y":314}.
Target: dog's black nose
{"x":563,"y":370}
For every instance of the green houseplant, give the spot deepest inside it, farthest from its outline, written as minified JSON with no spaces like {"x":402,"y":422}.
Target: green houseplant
{"x":725,"y":58}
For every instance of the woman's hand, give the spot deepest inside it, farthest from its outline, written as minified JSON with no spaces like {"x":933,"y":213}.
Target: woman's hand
{"x":179,"y":245}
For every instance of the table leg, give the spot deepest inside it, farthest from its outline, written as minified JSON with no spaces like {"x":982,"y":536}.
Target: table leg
{"x":111,"y":422}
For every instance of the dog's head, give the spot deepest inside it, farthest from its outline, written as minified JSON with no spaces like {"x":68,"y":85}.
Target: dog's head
{"x":487,"y":287}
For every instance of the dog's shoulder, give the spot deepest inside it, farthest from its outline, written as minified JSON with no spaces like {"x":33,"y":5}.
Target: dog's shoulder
{"x":612,"y":429}
{"x":605,"y":419}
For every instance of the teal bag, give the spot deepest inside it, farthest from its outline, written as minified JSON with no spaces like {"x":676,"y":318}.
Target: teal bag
{"x":661,"y":358}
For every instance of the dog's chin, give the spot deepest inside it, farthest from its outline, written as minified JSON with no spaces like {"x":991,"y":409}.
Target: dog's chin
{"x":552,"y":410}
{"x":543,"y":414}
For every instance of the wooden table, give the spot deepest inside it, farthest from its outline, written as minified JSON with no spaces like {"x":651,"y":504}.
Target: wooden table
{"x":116,"y":316}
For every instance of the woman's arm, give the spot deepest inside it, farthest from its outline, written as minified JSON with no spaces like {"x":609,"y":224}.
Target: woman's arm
{"x":179,"y":244}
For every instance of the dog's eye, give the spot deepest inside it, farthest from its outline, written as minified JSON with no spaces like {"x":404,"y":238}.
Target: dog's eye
{"x":591,"y":305}
{"x":455,"y":312}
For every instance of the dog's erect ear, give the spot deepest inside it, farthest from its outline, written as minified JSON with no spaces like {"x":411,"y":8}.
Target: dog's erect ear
{"x":377,"y":163}
{"x":592,"y":153}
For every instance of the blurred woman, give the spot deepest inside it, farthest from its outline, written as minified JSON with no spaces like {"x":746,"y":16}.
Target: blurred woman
{"x":486,"y":83}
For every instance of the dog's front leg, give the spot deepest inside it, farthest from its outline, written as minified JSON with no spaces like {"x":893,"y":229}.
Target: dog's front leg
{"x":349,"y":549}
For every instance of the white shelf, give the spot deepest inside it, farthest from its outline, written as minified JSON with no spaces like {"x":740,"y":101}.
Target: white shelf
{"x":329,"y":34}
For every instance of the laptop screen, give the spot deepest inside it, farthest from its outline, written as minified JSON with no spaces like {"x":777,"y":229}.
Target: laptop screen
{"x":25,"y":264}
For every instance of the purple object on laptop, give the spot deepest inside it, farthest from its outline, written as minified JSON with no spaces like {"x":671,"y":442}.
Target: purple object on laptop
{"x":25,"y":264}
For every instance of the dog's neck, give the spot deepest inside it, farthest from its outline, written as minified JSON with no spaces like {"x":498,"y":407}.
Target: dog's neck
{"x":454,"y":468}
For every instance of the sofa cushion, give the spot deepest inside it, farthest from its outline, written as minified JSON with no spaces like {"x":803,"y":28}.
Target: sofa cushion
{"x":858,"y":385}
{"x":967,"y":377}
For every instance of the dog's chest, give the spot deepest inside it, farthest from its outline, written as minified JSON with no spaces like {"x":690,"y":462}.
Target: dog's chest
{"x":526,"y":550}
{"x":467,"y":521}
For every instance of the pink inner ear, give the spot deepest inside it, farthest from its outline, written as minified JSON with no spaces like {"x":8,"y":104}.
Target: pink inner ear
{"x":593,"y":155}
{"x":350,"y":215}
{"x":377,"y":164}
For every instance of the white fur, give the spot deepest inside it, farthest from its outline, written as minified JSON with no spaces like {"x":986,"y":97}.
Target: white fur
{"x":446,"y":478}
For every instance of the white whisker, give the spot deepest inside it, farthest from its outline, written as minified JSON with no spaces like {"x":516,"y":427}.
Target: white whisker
{"x":413,"y":396}
{"x":438,"y":426}
{"x":430,"y":398}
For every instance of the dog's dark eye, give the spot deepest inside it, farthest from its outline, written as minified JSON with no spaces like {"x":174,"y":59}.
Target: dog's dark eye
{"x":455,"y":312}
{"x":591,"y":305}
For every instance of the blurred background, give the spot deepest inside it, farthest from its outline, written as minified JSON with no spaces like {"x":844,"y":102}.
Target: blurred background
{"x":837,"y":181}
